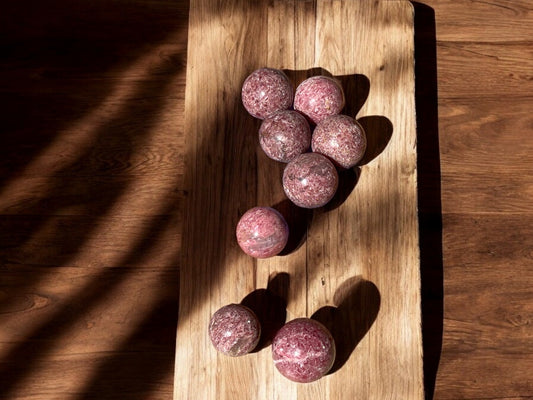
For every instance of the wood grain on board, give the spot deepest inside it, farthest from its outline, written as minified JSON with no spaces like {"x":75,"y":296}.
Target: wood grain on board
{"x":358,"y":254}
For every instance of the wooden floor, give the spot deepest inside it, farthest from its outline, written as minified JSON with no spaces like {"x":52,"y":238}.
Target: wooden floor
{"x":91,"y":190}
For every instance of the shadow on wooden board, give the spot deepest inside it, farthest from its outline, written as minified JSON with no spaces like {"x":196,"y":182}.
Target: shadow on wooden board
{"x":270,"y":307}
{"x":429,"y":192}
{"x":357,"y":302}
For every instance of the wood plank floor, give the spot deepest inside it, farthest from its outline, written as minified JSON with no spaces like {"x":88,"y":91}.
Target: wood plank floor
{"x":91,"y":190}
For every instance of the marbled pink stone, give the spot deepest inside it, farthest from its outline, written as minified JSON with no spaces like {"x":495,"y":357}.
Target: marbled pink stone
{"x":341,"y":138}
{"x":310,"y":180}
{"x":318,"y":97}
{"x":265,"y":91}
{"x":262,"y":232}
{"x":303,"y":350}
{"x":284,"y":135}
{"x":234,"y":330}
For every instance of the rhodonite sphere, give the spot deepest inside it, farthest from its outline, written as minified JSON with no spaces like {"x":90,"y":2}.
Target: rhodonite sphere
{"x":262,"y":232}
{"x":266,"y":90}
{"x":310,"y":180}
{"x":303,"y":350}
{"x":341,"y":138}
{"x":234,"y":330}
{"x":284,"y":135}
{"x":318,"y":97}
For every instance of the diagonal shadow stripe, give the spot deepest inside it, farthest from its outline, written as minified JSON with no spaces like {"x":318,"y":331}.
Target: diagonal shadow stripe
{"x":17,"y":364}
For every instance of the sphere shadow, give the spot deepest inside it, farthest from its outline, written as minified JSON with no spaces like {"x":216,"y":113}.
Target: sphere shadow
{"x":270,"y":307}
{"x":356,"y":90}
{"x":378,"y":130}
{"x":298,"y":219}
{"x":348,"y":179}
{"x":357,"y":305}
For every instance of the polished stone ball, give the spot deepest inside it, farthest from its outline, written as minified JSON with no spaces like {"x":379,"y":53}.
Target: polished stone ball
{"x":341,"y":138}
{"x":318,"y":97}
{"x":234,"y":330}
{"x":265,"y":91}
{"x":310,"y":180}
{"x":285,"y":135}
{"x":303,"y":350}
{"x":262,"y":232}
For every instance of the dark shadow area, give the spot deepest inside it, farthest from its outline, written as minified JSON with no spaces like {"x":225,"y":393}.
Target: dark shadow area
{"x":60,"y":62}
{"x":378,"y":130}
{"x":347,"y":181}
{"x":270,"y":307}
{"x":16,"y":365}
{"x":357,"y":305}
{"x":48,"y":46}
{"x":298,"y":219}
{"x":145,"y":358}
{"x":356,"y":89}
{"x":429,"y":193}
{"x":91,"y":182}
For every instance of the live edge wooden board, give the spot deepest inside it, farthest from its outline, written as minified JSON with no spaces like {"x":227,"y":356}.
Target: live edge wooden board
{"x":354,"y":265}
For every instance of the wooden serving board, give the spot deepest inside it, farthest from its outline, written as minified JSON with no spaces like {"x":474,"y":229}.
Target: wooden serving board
{"x":354,"y":264}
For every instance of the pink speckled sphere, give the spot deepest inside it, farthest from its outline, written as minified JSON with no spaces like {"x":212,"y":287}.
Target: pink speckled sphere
{"x":234,"y":330}
{"x":310,"y":180}
{"x":266,"y":90}
{"x":262,"y":232}
{"x":318,"y":97}
{"x":284,"y":135}
{"x":303,"y":350}
{"x":341,"y":138}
